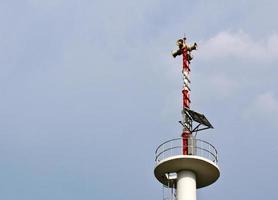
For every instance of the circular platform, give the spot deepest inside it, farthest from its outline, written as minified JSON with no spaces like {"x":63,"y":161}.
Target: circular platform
{"x":205,"y":170}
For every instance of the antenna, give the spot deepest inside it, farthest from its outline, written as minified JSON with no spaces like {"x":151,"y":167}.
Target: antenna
{"x":187,"y":163}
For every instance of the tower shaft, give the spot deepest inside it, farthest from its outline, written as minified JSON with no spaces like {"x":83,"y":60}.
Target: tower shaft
{"x":186,"y":185}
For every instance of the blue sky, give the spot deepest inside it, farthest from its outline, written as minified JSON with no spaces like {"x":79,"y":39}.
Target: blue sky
{"x":89,"y":90}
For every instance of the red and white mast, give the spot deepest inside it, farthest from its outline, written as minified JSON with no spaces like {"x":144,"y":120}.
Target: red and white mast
{"x":185,"y":50}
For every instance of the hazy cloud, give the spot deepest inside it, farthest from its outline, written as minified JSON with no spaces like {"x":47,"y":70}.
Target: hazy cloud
{"x":240,"y":45}
{"x":222,"y":85}
{"x":264,"y":106}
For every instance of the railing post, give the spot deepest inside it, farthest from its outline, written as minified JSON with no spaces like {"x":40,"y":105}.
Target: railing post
{"x":163,"y":151}
{"x":209,"y":152}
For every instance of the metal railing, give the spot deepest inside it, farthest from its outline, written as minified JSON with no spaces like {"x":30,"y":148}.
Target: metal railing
{"x":195,"y":147}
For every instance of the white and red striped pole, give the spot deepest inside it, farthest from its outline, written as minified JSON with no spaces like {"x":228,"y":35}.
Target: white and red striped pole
{"x":186,"y":97}
{"x":185,"y":50}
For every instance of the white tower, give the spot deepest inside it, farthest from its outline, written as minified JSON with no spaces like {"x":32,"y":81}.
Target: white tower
{"x":185,"y":164}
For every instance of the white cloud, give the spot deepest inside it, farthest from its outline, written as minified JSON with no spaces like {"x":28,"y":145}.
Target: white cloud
{"x":240,"y":45}
{"x":264,"y":107}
